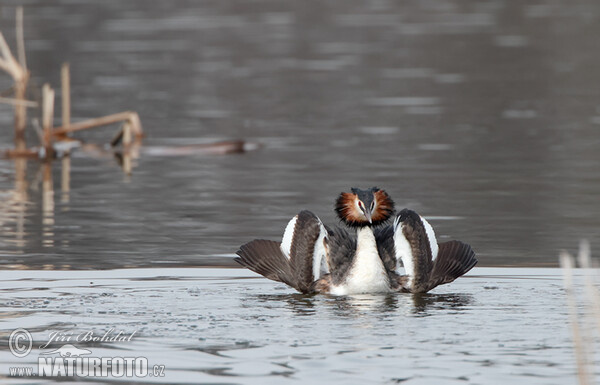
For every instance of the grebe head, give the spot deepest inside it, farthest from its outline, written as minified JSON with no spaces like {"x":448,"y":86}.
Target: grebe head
{"x":359,"y":208}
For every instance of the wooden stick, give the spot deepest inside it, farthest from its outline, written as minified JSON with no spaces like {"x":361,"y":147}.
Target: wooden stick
{"x":131,"y":116}
{"x":47,"y":117}
{"x":8,"y":60}
{"x":17,"y":102}
{"x":20,"y":39}
{"x":66,"y":94}
{"x":127,"y":134}
{"x":25,"y":153}
{"x":20,"y":112}
{"x":126,"y":148}
{"x":21,"y":83}
{"x":136,"y":125}
{"x":20,"y":77}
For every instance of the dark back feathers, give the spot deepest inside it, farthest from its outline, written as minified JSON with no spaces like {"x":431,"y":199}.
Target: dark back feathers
{"x":342,"y":250}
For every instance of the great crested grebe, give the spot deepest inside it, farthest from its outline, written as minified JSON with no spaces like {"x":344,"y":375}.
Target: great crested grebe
{"x":313,"y":258}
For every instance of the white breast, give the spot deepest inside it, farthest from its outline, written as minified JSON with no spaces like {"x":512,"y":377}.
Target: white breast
{"x":367,"y":274}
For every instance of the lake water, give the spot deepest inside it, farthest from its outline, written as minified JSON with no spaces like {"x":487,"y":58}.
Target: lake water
{"x":482,"y":116}
{"x":225,"y":326}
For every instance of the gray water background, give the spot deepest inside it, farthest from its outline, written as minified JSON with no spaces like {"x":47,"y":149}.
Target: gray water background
{"x":482,"y":116}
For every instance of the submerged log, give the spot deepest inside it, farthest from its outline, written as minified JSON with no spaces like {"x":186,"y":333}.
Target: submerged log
{"x":217,"y":148}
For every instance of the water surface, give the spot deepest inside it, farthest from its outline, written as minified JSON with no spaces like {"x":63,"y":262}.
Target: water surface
{"x":225,"y":326}
{"x":481,"y":116}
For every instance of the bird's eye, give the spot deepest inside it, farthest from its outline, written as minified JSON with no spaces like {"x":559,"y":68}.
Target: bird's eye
{"x":372,"y":205}
{"x":360,"y":204}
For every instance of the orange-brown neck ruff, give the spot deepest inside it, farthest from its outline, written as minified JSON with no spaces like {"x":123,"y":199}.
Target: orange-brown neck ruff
{"x":384,"y":207}
{"x":348,"y":211}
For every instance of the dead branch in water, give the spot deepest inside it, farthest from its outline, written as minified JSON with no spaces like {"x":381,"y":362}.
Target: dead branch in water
{"x":19,"y":102}
{"x":128,"y":116}
{"x":17,"y":69}
{"x":65,"y":78}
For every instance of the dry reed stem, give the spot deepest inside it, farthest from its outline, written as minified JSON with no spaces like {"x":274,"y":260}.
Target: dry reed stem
{"x":582,"y":325}
{"x":20,"y":75}
{"x":126,"y":146}
{"x":66,"y":94}
{"x":47,"y":117}
{"x":8,"y":62}
{"x":585,"y":260}
{"x":567,"y":264}
{"x":20,"y":39}
{"x":22,"y":153}
{"x":19,"y":102}
{"x":131,"y":116}
{"x":127,"y":134}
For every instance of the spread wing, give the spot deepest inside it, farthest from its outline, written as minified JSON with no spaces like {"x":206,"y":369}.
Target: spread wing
{"x":413,"y":240}
{"x":299,"y":260}
{"x":455,"y":258}
{"x":303,"y":244}
{"x":427,"y":264}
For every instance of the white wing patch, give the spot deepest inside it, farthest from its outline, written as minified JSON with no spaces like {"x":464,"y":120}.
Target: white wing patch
{"x":319,"y":262}
{"x":320,"y":254}
{"x":432,"y":240}
{"x":288,"y":237}
{"x":403,"y":253}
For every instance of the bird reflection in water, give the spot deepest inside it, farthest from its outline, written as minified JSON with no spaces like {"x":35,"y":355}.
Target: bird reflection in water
{"x":300,"y":304}
{"x":424,"y":304}
{"x":421,"y":304}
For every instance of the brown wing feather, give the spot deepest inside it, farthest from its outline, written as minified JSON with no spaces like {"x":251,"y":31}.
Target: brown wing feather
{"x":455,"y":258}
{"x":384,"y":236}
{"x":266,"y":258}
{"x":306,"y":234}
{"x":341,"y":252}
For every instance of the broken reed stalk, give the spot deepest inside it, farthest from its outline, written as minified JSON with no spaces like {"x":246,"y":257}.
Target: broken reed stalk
{"x":126,"y":147}
{"x":65,"y":77}
{"x":18,"y":102}
{"x":582,"y":344}
{"x":567,"y":264}
{"x":585,"y":261}
{"x":18,"y":71}
{"x":130,"y":116}
{"x":20,"y":38}
{"x":47,"y":118}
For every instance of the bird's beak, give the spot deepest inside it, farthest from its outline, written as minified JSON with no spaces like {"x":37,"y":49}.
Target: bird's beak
{"x":368,"y":215}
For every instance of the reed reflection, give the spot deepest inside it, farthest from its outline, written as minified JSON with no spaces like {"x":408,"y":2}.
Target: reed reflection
{"x":48,"y":205}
